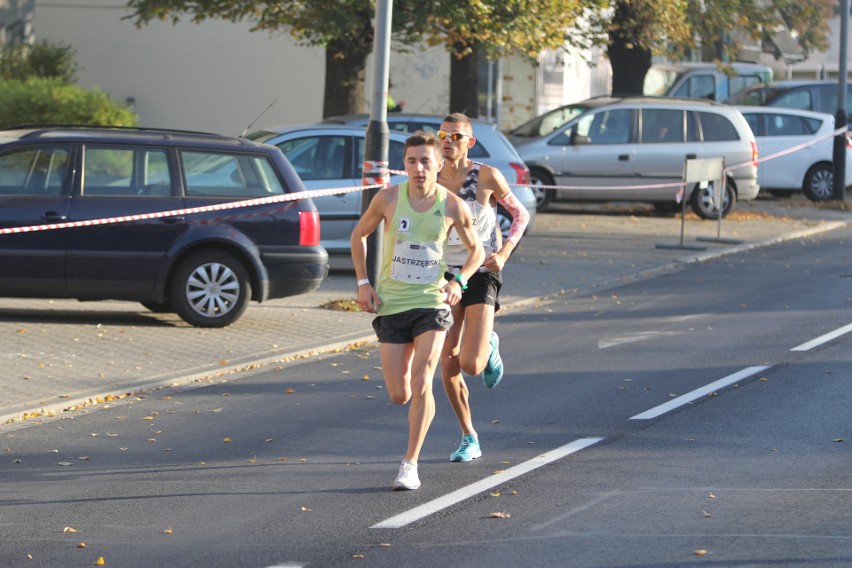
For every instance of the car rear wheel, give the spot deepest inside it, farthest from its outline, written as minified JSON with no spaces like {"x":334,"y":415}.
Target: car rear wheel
{"x":543,"y":195}
{"x":819,"y":182}
{"x":210,"y":289}
{"x":703,"y":205}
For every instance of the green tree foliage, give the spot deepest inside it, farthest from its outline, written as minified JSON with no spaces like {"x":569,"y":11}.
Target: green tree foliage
{"x":50,"y":100}
{"x":345,"y":29}
{"x":638,"y":29}
{"x":493,"y":28}
{"x":43,"y":59}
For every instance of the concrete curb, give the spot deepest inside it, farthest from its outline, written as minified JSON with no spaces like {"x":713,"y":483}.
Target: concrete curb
{"x":94,"y":398}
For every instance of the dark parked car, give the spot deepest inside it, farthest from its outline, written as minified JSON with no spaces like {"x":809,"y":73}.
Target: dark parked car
{"x":817,"y":96}
{"x":206,"y":265}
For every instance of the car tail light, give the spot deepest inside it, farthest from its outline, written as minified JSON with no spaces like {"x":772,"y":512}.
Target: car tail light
{"x":754,"y":152}
{"x":309,"y":228}
{"x":848,"y":141}
{"x":522,"y":172}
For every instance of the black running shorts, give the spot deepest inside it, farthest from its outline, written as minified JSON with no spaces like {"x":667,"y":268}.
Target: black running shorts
{"x":403,"y":327}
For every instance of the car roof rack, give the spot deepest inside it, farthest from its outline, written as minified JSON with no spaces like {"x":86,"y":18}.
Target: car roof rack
{"x":39,"y":129}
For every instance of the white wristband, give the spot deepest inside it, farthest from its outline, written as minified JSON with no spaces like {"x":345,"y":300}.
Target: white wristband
{"x":363,"y":281}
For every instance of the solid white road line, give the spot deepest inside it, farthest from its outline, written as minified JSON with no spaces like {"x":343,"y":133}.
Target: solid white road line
{"x":459,"y":495}
{"x":697,"y":393}
{"x":823,"y":338}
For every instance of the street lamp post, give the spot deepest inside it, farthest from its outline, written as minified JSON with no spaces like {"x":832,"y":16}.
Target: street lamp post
{"x":376,"y":144}
{"x":841,"y":118}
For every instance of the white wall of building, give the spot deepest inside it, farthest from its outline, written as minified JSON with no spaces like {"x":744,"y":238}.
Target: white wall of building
{"x":218,"y":76}
{"x":215,"y":76}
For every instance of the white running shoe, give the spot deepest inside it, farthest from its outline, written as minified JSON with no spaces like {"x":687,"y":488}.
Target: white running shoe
{"x":407,"y":478}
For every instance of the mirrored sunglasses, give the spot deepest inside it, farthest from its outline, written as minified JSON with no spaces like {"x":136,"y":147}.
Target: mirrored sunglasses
{"x":454,"y":136}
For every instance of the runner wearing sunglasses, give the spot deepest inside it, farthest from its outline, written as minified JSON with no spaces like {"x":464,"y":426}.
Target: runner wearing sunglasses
{"x":471,"y":345}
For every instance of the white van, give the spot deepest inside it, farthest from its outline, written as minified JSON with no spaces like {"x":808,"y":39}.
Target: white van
{"x":703,"y":80}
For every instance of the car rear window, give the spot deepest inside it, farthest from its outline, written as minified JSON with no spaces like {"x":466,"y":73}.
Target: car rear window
{"x":125,"y":171}
{"x":216,"y":174}
{"x":661,"y":125}
{"x":786,"y":125}
{"x":717,"y":128}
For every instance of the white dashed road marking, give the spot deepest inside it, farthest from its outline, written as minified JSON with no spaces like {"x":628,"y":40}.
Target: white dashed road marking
{"x":823,"y":338}
{"x":504,"y":476}
{"x":698,"y":393}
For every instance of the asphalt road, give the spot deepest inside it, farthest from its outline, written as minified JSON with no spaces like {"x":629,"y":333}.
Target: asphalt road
{"x":600,"y":447}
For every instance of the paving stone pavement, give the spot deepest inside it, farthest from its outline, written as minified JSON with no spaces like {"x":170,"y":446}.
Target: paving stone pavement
{"x":60,"y":354}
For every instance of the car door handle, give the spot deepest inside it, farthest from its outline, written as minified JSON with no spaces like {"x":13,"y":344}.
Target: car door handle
{"x":173,"y":220}
{"x":53,"y":217}
{"x":623,"y":157}
{"x":691,"y":156}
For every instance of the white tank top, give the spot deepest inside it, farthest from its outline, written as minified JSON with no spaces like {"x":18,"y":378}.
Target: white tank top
{"x":484,"y":222}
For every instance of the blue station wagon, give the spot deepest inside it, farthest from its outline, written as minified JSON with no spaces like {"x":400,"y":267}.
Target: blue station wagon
{"x":204,"y":264}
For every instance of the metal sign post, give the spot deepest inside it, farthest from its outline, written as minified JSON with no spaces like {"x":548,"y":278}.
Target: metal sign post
{"x":376,"y":143}
{"x":701,"y":172}
{"x":719,"y":189}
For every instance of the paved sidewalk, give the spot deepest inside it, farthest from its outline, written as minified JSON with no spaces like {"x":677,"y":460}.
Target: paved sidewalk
{"x":60,"y":354}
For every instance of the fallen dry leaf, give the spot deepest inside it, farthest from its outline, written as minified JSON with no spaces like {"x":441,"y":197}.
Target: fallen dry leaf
{"x":290,"y":390}
{"x":358,"y":556}
{"x":305,"y":509}
{"x":81,"y":545}
{"x":700,"y":552}
{"x":227,"y":440}
{"x":500,"y":515}
{"x":168,"y":531}
{"x":69,"y":529}
{"x":706,"y":514}
{"x":100,"y":561}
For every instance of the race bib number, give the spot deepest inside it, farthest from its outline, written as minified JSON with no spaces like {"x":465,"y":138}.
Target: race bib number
{"x":416,"y":263}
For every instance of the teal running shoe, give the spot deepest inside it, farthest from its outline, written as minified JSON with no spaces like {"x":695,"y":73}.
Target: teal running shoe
{"x":468,"y":450}
{"x":493,"y":372}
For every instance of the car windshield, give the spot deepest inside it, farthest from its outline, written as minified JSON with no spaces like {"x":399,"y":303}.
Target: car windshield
{"x":659,"y":81}
{"x":546,"y":123}
{"x":261,"y":136}
{"x":758,"y":96}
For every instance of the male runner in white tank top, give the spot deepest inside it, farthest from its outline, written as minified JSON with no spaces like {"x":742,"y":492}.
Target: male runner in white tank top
{"x":471,"y":345}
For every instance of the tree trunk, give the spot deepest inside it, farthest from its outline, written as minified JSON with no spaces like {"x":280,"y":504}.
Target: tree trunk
{"x":345,"y":66}
{"x":629,"y":61}
{"x":464,"y":84}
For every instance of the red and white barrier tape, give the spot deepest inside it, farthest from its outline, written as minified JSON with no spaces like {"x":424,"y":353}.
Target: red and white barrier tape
{"x":187,"y":211}
{"x":339,"y":190}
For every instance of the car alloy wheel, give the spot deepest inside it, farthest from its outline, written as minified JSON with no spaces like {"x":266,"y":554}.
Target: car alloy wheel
{"x":543,"y":195}
{"x":819,"y":183}
{"x":703,"y":205}
{"x":211,"y":289}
